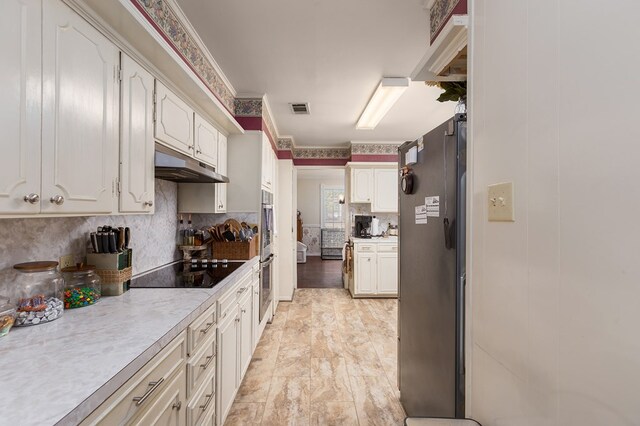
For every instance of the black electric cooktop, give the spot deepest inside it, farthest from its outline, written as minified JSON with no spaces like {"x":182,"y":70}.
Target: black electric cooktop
{"x":203,"y":274}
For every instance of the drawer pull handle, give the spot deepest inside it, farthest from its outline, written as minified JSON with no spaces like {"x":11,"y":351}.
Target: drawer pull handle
{"x":206,"y":404}
{"x":154,"y":385}
{"x":206,"y":330}
{"x":206,"y":364}
{"x":242,"y":290}
{"x":177,"y":405}
{"x":224,"y":315}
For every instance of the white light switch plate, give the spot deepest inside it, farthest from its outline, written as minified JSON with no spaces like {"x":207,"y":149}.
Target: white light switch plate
{"x":501,"y":202}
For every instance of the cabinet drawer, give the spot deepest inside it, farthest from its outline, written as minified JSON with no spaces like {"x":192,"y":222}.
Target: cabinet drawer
{"x":167,"y":409}
{"x":229,"y":300}
{"x":387,"y":248}
{"x":202,"y":402}
{"x":144,"y":387}
{"x":365,"y":248}
{"x":200,"y":364}
{"x":201,"y":328}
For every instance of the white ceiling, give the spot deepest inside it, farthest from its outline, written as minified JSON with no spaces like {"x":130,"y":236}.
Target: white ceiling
{"x":330,"y":53}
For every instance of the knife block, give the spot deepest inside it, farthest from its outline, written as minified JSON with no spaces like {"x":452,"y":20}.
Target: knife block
{"x":114,"y":270}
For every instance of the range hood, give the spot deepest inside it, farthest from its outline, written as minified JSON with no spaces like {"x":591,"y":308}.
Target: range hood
{"x":174,"y":166}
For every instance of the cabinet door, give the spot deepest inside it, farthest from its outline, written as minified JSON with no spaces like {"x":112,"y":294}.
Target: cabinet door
{"x":174,"y":120}
{"x":255,"y":312}
{"x":387,"y":266}
{"x":365,"y":273}
{"x":137,"y":186}
{"x":246,"y":331}
{"x":361,"y":185}
{"x":79,"y":121}
{"x":385,"y":191}
{"x":20,"y":90}
{"x":227,"y":364}
{"x":206,"y":138}
{"x":170,"y":406}
{"x":221,"y":188}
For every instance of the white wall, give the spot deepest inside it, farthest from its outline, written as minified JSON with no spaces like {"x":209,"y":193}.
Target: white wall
{"x":555,"y":302}
{"x":309,"y":197}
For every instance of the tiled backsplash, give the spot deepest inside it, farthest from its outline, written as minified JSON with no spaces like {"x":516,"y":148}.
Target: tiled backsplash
{"x":384,"y":218}
{"x":153,"y":237}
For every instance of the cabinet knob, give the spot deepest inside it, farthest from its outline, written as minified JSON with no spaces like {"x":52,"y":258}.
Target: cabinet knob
{"x":31,"y":198}
{"x":57,"y":199}
{"x":198,"y":151}
{"x":244,"y":311}
{"x":177,"y":405}
{"x":148,"y":203}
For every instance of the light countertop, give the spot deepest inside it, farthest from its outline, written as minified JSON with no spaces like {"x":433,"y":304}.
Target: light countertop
{"x":390,"y":240}
{"x":63,"y":370}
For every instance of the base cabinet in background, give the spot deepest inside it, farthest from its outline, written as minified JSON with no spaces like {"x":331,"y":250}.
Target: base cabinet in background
{"x":375,"y":270}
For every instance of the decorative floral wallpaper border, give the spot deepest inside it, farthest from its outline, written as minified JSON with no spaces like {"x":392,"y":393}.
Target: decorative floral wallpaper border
{"x":360,"y":149}
{"x":374,"y":149}
{"x":248,"y":107}
{"x":340,"y":153}
{"x":439,"y":15}
{"x":166,"y":20}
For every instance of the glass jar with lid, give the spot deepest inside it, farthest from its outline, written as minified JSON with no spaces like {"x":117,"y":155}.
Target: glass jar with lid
{"x":81,"y":286}
{"x":7,"y":316}
{"x":37,"y":293}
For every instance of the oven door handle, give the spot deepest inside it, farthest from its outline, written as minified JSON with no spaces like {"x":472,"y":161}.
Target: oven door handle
{"x":267,"y":262}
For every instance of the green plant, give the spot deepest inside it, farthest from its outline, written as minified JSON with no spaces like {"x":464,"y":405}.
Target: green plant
{"x":453,"y":90}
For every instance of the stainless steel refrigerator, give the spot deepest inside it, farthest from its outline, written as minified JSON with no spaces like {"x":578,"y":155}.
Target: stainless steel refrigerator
{"x":432,"y":271}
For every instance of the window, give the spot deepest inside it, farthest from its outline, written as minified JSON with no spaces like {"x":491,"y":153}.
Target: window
{"x":331,"y":209}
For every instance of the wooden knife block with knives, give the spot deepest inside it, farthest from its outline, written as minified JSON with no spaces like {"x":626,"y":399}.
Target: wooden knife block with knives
{"x":112,"y":258}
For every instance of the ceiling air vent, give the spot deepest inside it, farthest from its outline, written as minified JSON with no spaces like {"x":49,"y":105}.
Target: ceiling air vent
{"x":300,"y":108}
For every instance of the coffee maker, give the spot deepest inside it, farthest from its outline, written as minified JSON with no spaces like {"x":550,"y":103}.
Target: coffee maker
{"x":362,"y":225}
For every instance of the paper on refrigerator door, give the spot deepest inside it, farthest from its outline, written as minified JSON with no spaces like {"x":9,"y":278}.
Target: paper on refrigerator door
{"x":433,"y":206}
{"x":421,"y":215}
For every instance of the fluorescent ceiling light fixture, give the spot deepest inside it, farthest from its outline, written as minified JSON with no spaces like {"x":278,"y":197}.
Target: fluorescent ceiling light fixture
{"x":388,"y":92}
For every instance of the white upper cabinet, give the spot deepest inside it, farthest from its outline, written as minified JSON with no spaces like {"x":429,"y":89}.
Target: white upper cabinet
{"x":20,"y":90}
{"x":173,"y":120}
{"x":206,"y":138}
{"x":136,"y":143}
{"x":361,"y":185}
{"x":385,"y":187}
{"x":79,"y":118}
{"x":221,"y":188}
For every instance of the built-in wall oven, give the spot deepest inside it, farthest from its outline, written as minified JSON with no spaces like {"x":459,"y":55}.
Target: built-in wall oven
{"x":266,"y":257}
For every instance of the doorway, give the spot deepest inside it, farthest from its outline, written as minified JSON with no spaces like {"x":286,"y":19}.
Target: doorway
{"x":320,"y":226}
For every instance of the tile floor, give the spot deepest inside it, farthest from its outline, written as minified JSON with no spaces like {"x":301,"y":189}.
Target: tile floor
{"x":327,"y":359}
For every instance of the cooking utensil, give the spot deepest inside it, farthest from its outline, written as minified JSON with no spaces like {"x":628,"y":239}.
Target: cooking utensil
{"x":94,"y":242}
{"x":112,"y":242}
{"x":120,"y":239}
{"x":228,"y":235}
{"x":127,"y":237}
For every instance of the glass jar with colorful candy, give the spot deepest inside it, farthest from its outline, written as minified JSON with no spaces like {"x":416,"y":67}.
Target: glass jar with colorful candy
{"x":81,"y":286}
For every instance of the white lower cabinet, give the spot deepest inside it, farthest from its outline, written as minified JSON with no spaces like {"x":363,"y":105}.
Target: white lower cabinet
{"x":228,"y":360}
{"x":375,"y":270}
{"x":246,"y":331}
{"x":387,"y":270}
{"x":157,"y":391}
{"x":365,"y":272}
{"x":255,"y":313}
{"x":168,"y":408}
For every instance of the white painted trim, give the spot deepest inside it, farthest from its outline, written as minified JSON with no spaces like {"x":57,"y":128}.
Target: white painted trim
{"x":449,"y":42}
{"x":377,"y":142}
{"x":380,"y":165}
{"x":265,"y":105}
